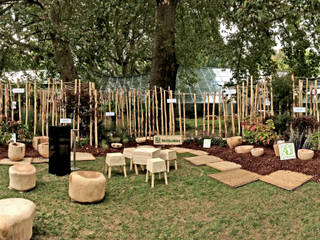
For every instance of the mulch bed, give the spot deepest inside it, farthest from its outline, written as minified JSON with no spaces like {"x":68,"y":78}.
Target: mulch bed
{"x":30,"y":152}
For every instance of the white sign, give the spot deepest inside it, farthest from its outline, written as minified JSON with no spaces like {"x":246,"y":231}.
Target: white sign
{"x":110,"y":114}
{"x":13,"y":137}
{"x":230,"y":91}
{"x":14,"y":105}
{"x":65,"y":120}
{"x":287,"y":151}
{"x":206,"y":143}
{"x":17,"y":90}
{"x":171,"y":100}
{"x":299,"y":109}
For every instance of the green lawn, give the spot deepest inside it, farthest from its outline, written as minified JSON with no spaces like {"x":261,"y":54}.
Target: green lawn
{"x":192,"y":206}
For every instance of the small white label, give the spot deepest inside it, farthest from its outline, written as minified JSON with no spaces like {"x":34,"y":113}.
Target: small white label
{"x":13,"y":137}
{"x":65,"y":120}
{"x":206,"y":143}
{"x":17,"y":90}
{"x":268,"y":103}
{"x":230,"y":91}
{"x":110,"y":114}
{"x":299,"y":109}
{"x":14,"y":105}
{"x":171,"y":100}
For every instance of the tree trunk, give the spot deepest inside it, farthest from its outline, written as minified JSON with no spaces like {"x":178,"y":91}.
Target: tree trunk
{"x":164,"y":63}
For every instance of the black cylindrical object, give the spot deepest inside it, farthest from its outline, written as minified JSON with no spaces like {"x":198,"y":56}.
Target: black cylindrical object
{"x":59,"y":150}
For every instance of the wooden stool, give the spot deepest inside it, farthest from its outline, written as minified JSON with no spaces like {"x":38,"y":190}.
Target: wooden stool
{"x":114,"y":160}
{"x":141,"y":155}
{"x":16,"y":218}
{"x":169,"y":155}
{"x":22,"y":177}
{"x":87,"y":186}
{"x":156,"y":165}
{"x":128,"y":153}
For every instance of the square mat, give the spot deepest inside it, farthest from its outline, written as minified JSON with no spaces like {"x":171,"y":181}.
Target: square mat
{"x":181,"y":150}
{"x":285,"y":179}
{"x":7,"y":161}
{"x":201,"y":160}
{"x":83,"y":156}
{"x":236,"y":178}
{"x":198,"y":152}
{"x":224,"y":166}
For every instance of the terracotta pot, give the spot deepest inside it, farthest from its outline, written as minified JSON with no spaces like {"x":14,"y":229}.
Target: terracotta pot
{"x":43,"y":149}
{"x":243,"y":149}
{"x":16,"y":151}
{"x":305,"y":154}
{"x":116,"y":145}
{"x":257,"y":152}
{"x":234,"y":141}
{"x":141,"y":139}
{"x":276,"y":150}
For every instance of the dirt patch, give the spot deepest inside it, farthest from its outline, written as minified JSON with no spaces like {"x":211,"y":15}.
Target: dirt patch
{"x":30,"y":152}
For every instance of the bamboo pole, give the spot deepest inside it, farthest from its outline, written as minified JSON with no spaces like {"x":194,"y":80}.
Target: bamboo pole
{"x":271,"y":96}
{"x":165,"y":112}
{"x":19,"y":102}
{"x":195,"y":114}
{"x":161,"y":103}
{"x":90,"y":124}
{"x":208,"y":115}
{"x":300,"y":95}
{"x":134,"y":114}
{"x":293,"y":94}
{"x":225,"y":118}
{"x":243,"y":101}
{"x":11,"y":97}
{"x":264,"y":97}
{"x":316,"y":98}
{"x":78,"y":110}
{"x":95,"y":117}
{"x":146,"y":112}
{"x":130,"y":118}
{"x":53,"y":102}
{"x":247,"y":93}
{"x":184,"y":114}
{"x":173,"y":118}
{"x":238,"y":109}
{"x":219,"y":114}
{"x":6,"y":102}
{"x":307,"y":87}
{"x":232,"y":116}
{"x":74,"y":109}
{"x":149,"y":112}
{"x":42,"y":106}
{"x":142,"y":116}
{"x":179,"y":110}
{"x":213,"y":112}
{"x":1,"y":102}
{"x":122,"y":107}
{"x":204,"y":114}
{"x":170,"y":116}
{"x":138,"y":106}
{"x":153,"y":113}
{"x":310,"y":105}
{"x":251,"y":100}
{"x":157,"y":117}
{"x":35,"y":108}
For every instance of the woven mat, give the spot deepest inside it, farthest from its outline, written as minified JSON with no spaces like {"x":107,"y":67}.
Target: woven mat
{"x":198,"y":152}
{"x":285,"y":179}
{"x":236,"y":178}
{"x":83,"y":156}
{"x":40,"y":160}
{"x":7,"y":161}
{"x":181,"y":150}
{"x":224,"y":166}
{"x":201,"y":160}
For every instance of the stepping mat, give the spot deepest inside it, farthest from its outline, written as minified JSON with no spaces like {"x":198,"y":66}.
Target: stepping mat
{"x":83,"y":156}
{"x":7,"y":161}
{"x":201,"y":160}
{"x":198,"y":152}
{"x":180,"y":149}
{"x":285,"y":179}
{"x":224,"y":165}
{"x":40,"y":160}
{"x":236,"y":177}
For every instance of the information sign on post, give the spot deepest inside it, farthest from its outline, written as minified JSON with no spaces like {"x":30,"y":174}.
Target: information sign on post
{"x":65,"y":120}
{"x":171,"y":100}
{"x":299,"y":109}
{"x":18,"y":90}
{"x":287,"y":151}
{"x":110,"y":114}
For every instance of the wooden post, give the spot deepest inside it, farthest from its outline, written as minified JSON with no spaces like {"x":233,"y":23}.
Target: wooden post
{"x":271,"y":96}
{"x":142,"y":115}
{"x":35,"y":108}
{"x":300,"y":95}
{"x":204,"y":114}
{"x":208,"y":115}
{"x":19,"y":102}
{"x":307,"y":88}
{"x":149,"y":112}
{"x":130,"y":118}
{"x":213,"y":112}
{"x":161,"y":103}
{"x":316,"y":98}
{"x":90,"y":125}
{"x":1,"y":102}
{"x":251,"y":100}
{"x":134,"y":114}
{"x":293,"y":94}
{"x":247,"y":90}
{"x":153,"y":115}
{"x":165,"y":112}
{"x":138,"y":106}
{"x":53,"y":102}
{"x":179,"y":109}
{"x":170,"y":116}
{"x":95,"y":116}
{"x":232,"y":116}
{"x":195,"y":114}
{"x":146,"y":116}
{"x":264,"y":97}
{"x":12,"y":99}
{"x":78,"y":110}
{"x":225,"y":118}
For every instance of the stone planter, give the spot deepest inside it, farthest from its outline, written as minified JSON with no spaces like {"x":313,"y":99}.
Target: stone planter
{"x":43,"y":149}
{"x":116,"y":145}
{"x":243,"y":149}
{"x":141,"y":139}
{"x":38,"y":140}
{"x":276,"y":150}
{"x":16,"y":151}
{"x":257,"y":152}
{"x":22,"y":177}
{"x":305,"y":154}
{"x":234,"y":141}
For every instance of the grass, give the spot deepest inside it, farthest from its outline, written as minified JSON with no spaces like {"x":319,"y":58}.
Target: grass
{"x":192,"y":206}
